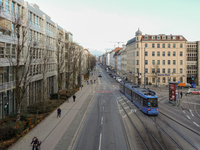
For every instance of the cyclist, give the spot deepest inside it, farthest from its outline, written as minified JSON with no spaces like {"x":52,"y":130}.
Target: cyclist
{"x":35,"y":143}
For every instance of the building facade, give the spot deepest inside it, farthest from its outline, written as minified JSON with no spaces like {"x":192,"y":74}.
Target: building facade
{"x":162,"y":58}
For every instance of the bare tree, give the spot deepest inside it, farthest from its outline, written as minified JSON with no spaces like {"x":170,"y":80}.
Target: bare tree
{"x":155,"y":74}
{"x":20,"y":58}
{"x":60,"y":56}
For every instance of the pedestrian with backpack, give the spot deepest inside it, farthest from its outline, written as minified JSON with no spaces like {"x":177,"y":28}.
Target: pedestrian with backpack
{"x":35,"y":143}
{"x":58,"y":112}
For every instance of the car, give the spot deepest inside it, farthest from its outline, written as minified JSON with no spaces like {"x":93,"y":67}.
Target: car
{"x":100,"y":75}
{"x":187,"y":85}
{"x":193,"y":91}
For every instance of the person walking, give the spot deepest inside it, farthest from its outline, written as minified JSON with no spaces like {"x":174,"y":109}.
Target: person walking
{"x":181,"y":94}
{"x":94,"y":81}
{"x":58,"y":112}
{"x":35,"y":143}
{"x":87,"y":82}
{"x":74,"y":97}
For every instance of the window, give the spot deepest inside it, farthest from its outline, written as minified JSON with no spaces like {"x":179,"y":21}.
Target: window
{"x":158,"y":53}
{"x":163,"y":79}
{"x":137,"y":38}
{"x":174,"y":53}
{"x":158,"y":37}
{"x":163,"y":62}
{"x":181,"y":62}
{"x":181,"y":45}
{"x":181,"y":53}
{"x":153,"y":62}
{"x":153,"y":53}
{"x":1,"y":5}
{"x":13,"y":51}
{"x":163,"y":54}
{"x":168,"y":53}
{"x":153,"y":45}
{"x":137,"y":45}
{"x":137,"y":53}
{"x":169,"y":70}
{"x":153,"y":70}
{"x":169,"y":79}
{"x":30,"y":17}
{"x":174,"y":37}
{"x":158,"y":45}
{"x":158,"y":62}
{"x":174,"y":62}
{"x":174,"y":79}
{"x":168,"y":62}
{"x":163,"y":45}
{"x":180,"y":37}
{"x":1,"y":52}
{"x":8,"y":50}
{"x":145,"y":37}
{"x":36,"y":21}
{"x":169,"y":45}
{"x":163,"y":70}
{"x":158,"y":79}
{"x":174,"y":70}
{"x":13,"y":8}
{"x":153,"y":37}
{"x":174,"y":45}
{"x":146,"y":70}
{"x":137,"y":62}
{"x":181,"y":70}
{"x":137,"y":70}
{"x":158,"y":70}
{"x":7,"y":9}
{"x":169,"y":37}
{"x":18,"y":10}
{"x":33,"y":19}
{"x":146,"y":62}
{"x":39,"y":24}
{"x":146,"y":53}
{"x":146,"y":45}
{"x":163,"y":37}
{"x":153,"y":80}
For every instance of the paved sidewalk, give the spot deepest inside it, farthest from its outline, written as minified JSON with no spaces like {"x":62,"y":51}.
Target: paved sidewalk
{"x":51,"y":129}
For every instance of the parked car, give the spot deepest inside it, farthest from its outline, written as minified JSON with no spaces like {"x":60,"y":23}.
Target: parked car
{"x":193,"y":91}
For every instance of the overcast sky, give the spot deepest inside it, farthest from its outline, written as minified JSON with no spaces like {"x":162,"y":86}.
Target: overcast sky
{"x":98,"y":25}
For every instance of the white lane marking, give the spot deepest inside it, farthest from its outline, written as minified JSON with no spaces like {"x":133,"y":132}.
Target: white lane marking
{"x":101,"y":120}
{"x":196,"y":124}
{"x":123,"y":103}
{"x":100,"y":141}
{"x":183,"y":111}
{"x":124,"y":116}
{"x":188,"y":117}
{"x":191,"y":103}
{"x":191,"y":112}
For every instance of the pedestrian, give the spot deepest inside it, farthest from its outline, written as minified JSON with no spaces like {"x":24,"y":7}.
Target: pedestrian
{"x":35,"y":143}
{"x":87,"y":82}
{"x":58,"y":112}
{"x":94,"y":81}
{"x":181,"y":94}
{"x":74,"y":97}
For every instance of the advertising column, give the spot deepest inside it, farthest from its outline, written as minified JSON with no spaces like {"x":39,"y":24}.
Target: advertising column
{"x":173,"y":92}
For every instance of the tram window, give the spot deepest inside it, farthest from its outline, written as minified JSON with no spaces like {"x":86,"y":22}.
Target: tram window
{"x":145,"y":102}
{"x":152,"y":102}
{"x":141,"y":100}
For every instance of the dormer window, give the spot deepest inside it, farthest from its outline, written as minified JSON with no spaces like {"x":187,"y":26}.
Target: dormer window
{"x":180,"y":37}
{"x":174,"y":37}
{"x":169,"y":37}
{"x":153,"y":37}
{"x":145,"y":37}
{"x":163,"y":38}
{"x":158,"y":37}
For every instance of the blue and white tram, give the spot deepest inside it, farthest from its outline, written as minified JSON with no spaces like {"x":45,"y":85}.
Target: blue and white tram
{"x":122,"y":87}
{"x":146,"y":100}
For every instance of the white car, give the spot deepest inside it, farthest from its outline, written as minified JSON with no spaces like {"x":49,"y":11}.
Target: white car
{"x":193,"y":91}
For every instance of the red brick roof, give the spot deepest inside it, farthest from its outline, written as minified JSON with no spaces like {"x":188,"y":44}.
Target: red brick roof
{"x":116,"y":49}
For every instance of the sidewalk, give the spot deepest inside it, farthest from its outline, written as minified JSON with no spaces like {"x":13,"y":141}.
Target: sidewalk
{"x":51,"y":129}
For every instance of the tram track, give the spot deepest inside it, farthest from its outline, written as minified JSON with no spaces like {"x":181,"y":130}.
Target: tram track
{"x":157,"y":125}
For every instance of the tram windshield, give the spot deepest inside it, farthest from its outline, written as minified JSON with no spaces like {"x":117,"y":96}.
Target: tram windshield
{"x":152,"y":102}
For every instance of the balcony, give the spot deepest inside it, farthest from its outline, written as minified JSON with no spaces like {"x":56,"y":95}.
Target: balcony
{"x":7,"y":85}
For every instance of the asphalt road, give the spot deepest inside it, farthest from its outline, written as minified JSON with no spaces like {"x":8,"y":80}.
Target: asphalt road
{"x":103,"y":128}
